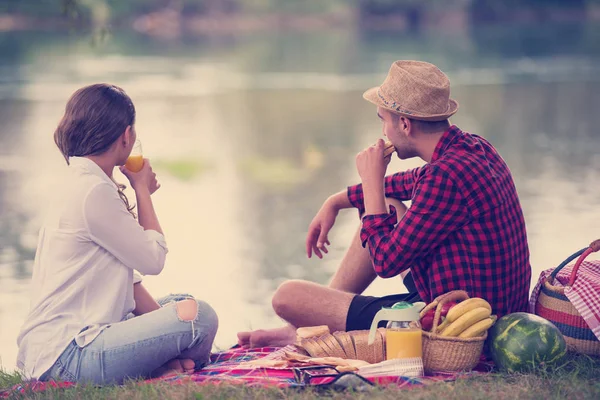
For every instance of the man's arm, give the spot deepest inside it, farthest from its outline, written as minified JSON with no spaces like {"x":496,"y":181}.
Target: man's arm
{"x":397,"y":186}
{"x":437,"y":210}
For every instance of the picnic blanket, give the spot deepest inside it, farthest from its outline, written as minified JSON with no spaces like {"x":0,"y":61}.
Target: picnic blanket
{"x":584,"y":294}
{"x":224,"y":368}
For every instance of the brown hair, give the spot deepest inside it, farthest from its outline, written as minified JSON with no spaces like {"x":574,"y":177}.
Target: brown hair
{"x":424,"y":126}
{"x":95,"y":117}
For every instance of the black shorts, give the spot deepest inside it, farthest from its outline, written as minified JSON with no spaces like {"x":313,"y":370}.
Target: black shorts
{"x":363,"y":308}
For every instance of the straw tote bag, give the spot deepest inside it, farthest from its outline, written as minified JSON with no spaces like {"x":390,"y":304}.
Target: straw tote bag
{"x":553,"y":305}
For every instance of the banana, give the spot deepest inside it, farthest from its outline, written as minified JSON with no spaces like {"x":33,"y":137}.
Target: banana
{"x":442,"y":326}
{"x":465,"y":306}
{"x":466,"y":320}
{"x":478,"y":328}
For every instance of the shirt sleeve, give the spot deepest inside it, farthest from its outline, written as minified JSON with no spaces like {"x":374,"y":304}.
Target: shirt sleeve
{"x":437,"y":210}
{"x":112,"y":227}
{"x":137,"y":278}
{"x":397,"y":186}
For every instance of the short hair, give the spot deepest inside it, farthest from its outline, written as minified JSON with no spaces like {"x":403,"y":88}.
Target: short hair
{"x":425,"y":126}
{"x":431,"y":126}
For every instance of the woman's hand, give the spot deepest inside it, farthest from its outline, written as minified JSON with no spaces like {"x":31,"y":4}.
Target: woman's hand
{"x":143,"y":179}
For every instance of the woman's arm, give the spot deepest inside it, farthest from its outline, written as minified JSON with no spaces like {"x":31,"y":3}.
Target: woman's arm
{"x":144,"y":302}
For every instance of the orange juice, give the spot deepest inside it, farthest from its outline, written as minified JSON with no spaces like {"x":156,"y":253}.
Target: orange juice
{"x":134,"y":163}
{"x":403,"y":343}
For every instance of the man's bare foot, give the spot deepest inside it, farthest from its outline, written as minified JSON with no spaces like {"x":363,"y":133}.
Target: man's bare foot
{"x":175,"y":367}
{"x":268,"y":337}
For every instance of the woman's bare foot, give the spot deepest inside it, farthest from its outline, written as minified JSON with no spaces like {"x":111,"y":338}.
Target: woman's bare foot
{"x":175,"y":367}
{"x":268,"y":337}
{"x":188,"y":365}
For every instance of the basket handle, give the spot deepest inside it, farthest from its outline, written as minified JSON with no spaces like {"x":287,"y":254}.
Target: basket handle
{"x":582,"y":254}
{"x":439,"y":302}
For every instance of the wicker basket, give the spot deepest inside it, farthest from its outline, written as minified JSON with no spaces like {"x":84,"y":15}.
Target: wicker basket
{"x":441,"y":353}
{"x":553,"y":305}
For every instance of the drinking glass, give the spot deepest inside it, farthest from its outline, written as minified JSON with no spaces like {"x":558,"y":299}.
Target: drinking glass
{"x":135,"y":161}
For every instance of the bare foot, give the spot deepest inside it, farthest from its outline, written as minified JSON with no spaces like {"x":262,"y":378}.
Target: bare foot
{"x":268,"y":337}
{"x":188,"y":365}
{"x":175,"y":367}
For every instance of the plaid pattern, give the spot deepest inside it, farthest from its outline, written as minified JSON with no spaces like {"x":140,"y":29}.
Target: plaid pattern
{"x":464,"y":230}
{"x":224,"y":369}
{"x":584,"y":294}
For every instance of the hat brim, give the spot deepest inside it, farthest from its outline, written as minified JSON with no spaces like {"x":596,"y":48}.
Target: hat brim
{"x":372,"y":97}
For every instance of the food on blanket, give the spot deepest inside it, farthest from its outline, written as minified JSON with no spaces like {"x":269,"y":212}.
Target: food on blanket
{"x":351,"y":365}
{"x":388,"y":149}
{"x":465,"y":306}
{"x":522,"y":341}
{"x":346,"y":345}
{"x":292,"y":359}
{"x":312,"y":331}
{"x":312,"y":348}
{"x":361,"y":347}
{"x":465,"y":321}
{"x":263,"y":363}
{"x":294,"y":356}
{"x":479,"y":328}
{"x":334,"y":345}
{"x":427,"y":319}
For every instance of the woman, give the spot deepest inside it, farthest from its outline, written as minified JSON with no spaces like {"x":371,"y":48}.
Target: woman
{"x":85,"y":294}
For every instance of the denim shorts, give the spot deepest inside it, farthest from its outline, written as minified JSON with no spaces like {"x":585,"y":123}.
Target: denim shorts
{"x":136,"y":346}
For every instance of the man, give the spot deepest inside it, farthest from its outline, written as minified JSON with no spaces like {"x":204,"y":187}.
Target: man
{"x":464,"y":229}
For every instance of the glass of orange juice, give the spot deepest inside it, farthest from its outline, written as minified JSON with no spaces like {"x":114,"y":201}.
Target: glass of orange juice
{"x":135,"y":161}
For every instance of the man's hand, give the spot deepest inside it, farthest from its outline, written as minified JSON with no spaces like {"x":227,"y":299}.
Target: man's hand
{"x":371,"y":164}
{"x":316,"y":240}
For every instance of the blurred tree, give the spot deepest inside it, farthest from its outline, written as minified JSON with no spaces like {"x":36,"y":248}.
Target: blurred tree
{"x":506,"y":10}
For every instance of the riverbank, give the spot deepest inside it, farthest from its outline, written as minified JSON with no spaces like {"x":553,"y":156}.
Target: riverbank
{"x":171,"y":22}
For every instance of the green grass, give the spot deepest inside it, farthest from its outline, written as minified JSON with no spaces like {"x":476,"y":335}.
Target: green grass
{"x":577,"y":379}
{"x":184,"y":170}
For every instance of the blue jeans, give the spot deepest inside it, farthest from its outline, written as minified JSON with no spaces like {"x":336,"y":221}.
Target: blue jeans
{"x":135,"y":347}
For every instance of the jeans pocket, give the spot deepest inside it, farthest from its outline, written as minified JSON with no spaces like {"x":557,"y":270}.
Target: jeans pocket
{"x":63,"y":373}
{"x":66,"y":367}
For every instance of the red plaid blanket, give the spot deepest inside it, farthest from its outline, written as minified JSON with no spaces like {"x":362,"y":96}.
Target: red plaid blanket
{"x":224,"y":368}
{"x":584,"y":294}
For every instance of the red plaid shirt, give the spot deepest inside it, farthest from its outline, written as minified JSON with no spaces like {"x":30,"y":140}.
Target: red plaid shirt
{"x":464,"y":230}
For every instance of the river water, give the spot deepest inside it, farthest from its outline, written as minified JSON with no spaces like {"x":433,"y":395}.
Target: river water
{"x":250,"y":134}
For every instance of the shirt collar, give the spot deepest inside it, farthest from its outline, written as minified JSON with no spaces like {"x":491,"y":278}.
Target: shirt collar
{"x":445,"y":142}
{"x":84,"y":164}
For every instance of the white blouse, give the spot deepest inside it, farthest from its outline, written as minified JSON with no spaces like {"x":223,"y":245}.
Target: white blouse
{"x":83,"y":273}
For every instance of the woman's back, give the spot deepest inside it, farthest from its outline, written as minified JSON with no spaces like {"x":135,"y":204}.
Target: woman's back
{"x":76,"y":282}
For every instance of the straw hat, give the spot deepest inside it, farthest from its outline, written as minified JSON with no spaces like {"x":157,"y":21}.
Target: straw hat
{"x":415,"y":89}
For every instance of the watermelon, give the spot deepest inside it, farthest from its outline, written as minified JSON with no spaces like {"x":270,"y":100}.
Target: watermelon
{"x":521,"y":342}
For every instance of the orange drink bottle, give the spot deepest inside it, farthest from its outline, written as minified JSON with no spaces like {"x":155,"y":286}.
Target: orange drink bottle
{"x":403,"y":335}
{"x":135,"y":161}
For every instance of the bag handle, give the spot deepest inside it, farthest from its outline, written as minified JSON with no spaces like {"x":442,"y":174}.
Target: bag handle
{"x":582,"y":254}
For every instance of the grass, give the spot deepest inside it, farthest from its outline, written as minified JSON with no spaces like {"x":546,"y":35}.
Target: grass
{"x":576,"y":379}
{"x":184,"y":170}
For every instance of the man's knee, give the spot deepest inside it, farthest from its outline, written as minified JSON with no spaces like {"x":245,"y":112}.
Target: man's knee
{"x":288,"y":295}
